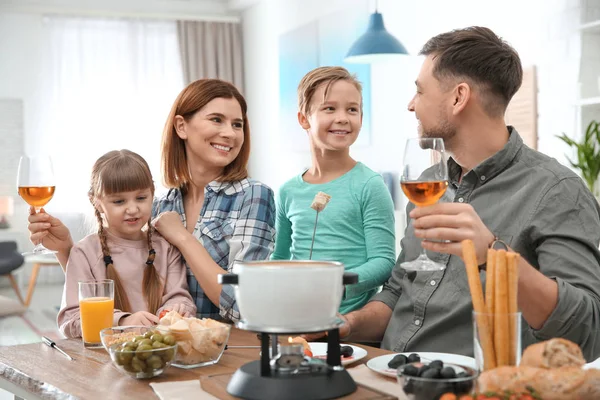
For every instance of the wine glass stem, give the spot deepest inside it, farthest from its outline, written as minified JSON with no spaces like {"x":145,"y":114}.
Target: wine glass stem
{"x":39,"y":246}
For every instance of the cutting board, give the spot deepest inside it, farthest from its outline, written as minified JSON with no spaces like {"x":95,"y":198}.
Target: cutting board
{"x":217,"y":386}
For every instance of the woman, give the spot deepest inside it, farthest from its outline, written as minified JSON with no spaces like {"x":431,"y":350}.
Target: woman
{"x":205,"y":151}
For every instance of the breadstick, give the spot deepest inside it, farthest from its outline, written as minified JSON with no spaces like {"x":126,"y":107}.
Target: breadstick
{"x":485,"y":334}
{"x":490,"y":282}
{"x":501,"y":310}
{"x":513,"y":280}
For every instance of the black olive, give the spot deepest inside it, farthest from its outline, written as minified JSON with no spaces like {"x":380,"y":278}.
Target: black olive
{"x":414,"y":357}
{"x":463,"y":387}
{"x":436,"y":364}
{"x":397,"y":361}
{"x":431,"y":373}
{"x":423,"y":369}
{"x":408,"y":387}
{"x":410,"y":370}
{"x":448,"y":373}
{"x":346,"y":351}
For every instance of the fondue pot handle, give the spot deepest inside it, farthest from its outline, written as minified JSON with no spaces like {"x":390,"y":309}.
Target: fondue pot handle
{"x":228,"y":279}
{"x":350,"y":278}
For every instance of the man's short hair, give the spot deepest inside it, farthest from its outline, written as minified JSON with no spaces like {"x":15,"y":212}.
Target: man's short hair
{"x":481,"y":58}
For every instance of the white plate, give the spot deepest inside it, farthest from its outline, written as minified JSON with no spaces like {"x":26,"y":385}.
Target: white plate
{"x":380,"y":364}
{"x":319,"y":350}
{"x":593,"y":365}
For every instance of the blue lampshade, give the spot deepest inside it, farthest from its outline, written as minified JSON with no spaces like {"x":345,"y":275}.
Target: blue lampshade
{"x":376,"y":44}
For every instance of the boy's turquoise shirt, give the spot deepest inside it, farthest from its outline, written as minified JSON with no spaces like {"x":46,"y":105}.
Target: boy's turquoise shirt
{"x":356,"y":228}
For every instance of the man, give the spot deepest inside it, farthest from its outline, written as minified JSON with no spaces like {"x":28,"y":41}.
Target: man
{"x":499,"y":189}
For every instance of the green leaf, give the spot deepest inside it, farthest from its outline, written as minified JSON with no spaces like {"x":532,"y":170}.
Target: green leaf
{"x":588,"y":154}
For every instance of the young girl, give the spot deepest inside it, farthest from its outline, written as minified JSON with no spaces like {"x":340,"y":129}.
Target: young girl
{"x":357,"y":226}
{"x":148,"y":272}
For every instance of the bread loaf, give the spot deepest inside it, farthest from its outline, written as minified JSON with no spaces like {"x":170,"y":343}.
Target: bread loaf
{"x":553,"y":353}
{"x":565,"y":383}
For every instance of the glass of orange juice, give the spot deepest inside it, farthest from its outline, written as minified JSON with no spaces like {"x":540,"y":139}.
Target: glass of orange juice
{"x":96,"y":306}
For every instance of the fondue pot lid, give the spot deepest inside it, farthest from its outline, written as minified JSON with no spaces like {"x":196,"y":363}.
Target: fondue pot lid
{"x":289,"y":264}
{"x":337,"y":322}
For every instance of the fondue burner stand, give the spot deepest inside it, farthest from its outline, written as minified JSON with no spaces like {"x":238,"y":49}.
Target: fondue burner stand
{"x":290,"y":375}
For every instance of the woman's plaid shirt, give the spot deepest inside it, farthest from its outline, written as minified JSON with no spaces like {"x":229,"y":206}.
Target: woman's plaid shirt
{"x":237,"y":222}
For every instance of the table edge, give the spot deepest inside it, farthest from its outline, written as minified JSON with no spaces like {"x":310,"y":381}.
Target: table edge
{"x":16,"y":381}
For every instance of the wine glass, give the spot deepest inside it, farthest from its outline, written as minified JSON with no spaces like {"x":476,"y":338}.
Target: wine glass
{"x":35,"y":181}
{"x":424,"y":181}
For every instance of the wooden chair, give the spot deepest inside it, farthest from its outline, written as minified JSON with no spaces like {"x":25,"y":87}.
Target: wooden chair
{"x":10,"y":260}
{"x":38,"y":262}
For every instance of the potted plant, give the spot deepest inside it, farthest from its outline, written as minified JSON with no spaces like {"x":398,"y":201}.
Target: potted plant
{"x":588,"y":155}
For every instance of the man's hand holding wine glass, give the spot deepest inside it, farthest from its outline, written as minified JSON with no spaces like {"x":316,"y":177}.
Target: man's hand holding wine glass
{"x":453,"y":223}
{"x":424,"y":181}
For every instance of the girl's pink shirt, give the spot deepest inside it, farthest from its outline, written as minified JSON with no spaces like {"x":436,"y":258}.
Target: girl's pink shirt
{"x":86,"y":263}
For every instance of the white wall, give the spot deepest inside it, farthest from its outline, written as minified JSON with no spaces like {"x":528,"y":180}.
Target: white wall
{"x":21,"y":57}
{"x":543,"y":32}
{"x":20,"y":60}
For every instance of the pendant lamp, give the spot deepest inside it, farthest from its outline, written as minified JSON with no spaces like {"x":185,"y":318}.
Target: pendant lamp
{"x":376,"y":44}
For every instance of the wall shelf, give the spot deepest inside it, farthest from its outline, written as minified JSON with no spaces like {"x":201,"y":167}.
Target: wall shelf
{"x":591,"y":27}
{"x":591,"y":101}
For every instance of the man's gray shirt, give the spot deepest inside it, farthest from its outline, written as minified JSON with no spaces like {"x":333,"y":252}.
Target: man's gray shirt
{"x":543,"y":211}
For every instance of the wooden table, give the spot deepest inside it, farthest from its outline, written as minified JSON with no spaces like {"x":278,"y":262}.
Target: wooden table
{"x":35,"y":371}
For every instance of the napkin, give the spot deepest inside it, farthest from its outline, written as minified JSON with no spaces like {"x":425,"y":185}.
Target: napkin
{"x":363,"y":375}
{"x":182,"y":390}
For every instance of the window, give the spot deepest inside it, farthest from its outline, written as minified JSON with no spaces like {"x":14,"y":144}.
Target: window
{"x":108,"y":84}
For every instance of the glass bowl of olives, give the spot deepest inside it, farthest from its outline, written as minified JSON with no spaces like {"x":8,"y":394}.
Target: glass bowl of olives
{"x":430,"y":380}
{"x":145,"y":355}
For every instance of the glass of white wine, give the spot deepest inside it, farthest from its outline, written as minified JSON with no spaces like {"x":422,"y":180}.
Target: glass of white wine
{"x":36,"y":184}
{"x":424,"y":181}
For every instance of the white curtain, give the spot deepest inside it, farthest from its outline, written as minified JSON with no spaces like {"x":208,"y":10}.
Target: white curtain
{"x":109,"y":84}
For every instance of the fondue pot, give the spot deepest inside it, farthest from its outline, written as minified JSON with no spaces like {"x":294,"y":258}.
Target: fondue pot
{"x":288,"y":296}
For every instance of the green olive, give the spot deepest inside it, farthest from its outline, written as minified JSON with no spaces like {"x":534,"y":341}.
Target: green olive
{"x":139,"y":338}
{"x":148,"y":334}
{"x":137,"y":365}
{"x":131,"y":345}
{"x":168,"y":354}
{"x":155,"y":362}
{"x":157,"y":337}
{"x":129,"y":368}
{"x":158,"y":346}
{"x":146,"y":342}
{"x":142,"y":352}
{"x":169,"y":340}
{"x":123,"y":358}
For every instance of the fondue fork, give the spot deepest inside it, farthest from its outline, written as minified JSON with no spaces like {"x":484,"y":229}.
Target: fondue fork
{"x":51,"y":343}
{"x":312,"y":243}
{"x":320,"y":201}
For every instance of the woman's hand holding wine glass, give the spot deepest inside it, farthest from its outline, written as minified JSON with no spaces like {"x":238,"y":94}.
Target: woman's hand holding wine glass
{"x":49,"y":231}
{"x":36,"y":185}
